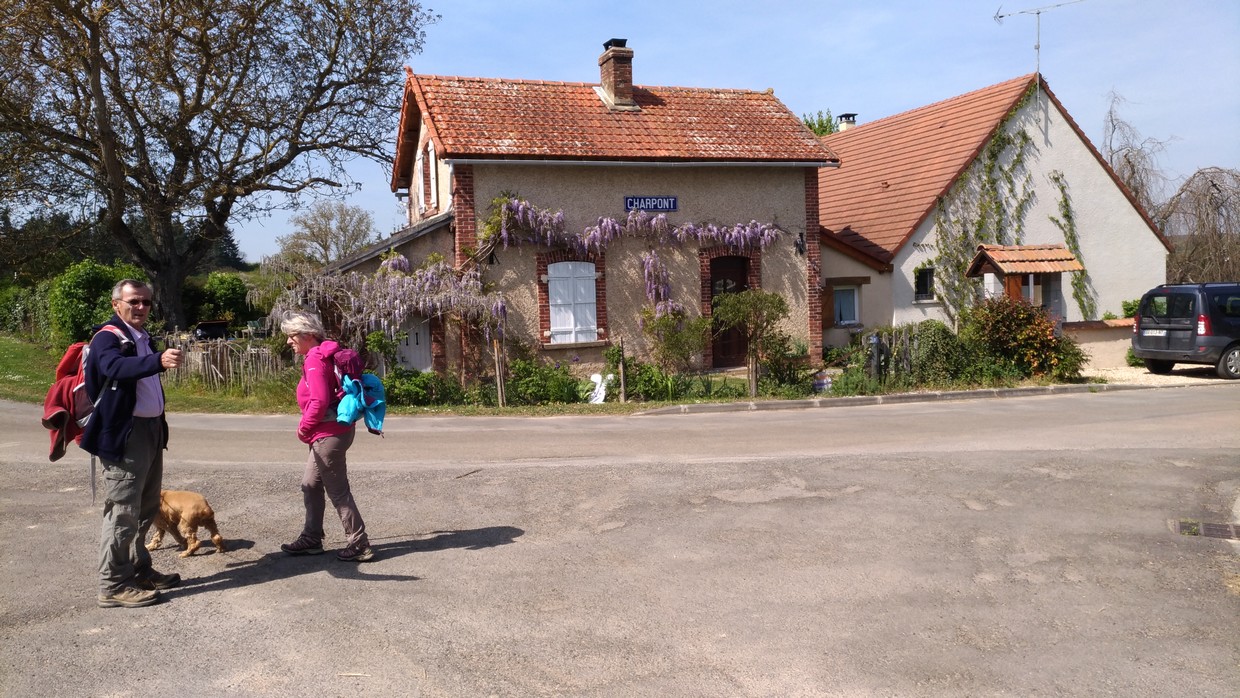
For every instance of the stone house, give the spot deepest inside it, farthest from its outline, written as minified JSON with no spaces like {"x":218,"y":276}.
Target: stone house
{"x":720,"y":185}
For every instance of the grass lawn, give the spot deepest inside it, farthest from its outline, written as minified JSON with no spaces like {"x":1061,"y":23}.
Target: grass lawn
{"x":27,"y":370}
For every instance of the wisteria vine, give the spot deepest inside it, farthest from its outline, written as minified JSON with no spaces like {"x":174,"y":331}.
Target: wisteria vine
{"x":382,"y":301}
{"x":367,"y":302}
{"x":515,"y":221}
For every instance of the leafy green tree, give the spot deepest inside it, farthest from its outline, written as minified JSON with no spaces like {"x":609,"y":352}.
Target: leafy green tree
{"x":224,"y":298}
{"x":756,"y":314}
{"x":194,"y":114}
{"x":821,"y":123}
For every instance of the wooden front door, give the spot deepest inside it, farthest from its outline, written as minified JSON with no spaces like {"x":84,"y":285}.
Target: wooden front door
{"x":728,"y":275}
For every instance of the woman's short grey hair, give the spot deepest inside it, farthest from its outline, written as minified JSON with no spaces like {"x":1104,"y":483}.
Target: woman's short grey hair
{"x":297,"y":322}
{"x":118,"y":291}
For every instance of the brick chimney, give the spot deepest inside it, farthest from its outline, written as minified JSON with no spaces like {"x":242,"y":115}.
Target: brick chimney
{"x":846,"y":122}
{"x":616,"y":74}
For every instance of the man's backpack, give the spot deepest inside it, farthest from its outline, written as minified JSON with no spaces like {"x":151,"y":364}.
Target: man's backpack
{"x":67,"y":408}
{"x":72,"y":368}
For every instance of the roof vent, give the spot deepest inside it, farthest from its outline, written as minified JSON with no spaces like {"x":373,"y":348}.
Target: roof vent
{"x":847,"y":121}
{"x":616,"y":75}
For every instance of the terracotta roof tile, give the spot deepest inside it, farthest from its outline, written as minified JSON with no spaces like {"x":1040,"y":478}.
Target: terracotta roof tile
{"x":1023,"y":259}
{"x":893,"y":170}
{"x":527,"y":119}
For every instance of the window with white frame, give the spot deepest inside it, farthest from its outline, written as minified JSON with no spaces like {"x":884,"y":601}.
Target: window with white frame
{"x":923,"y":284}
{"x":433,"y":164}
{"x":570,"y":293}
{"x":418,"y":195}
{"x":847,"y":308}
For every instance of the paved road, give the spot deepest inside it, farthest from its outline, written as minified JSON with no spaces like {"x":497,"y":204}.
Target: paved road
{"x":1017,"y":546}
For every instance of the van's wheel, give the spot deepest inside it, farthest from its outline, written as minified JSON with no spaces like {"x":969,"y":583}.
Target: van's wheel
{"x":1159,"y":366}
{"x":1229,"y":363}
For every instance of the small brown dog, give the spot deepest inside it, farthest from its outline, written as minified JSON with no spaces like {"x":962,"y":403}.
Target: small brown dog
{"x":180,"y":515}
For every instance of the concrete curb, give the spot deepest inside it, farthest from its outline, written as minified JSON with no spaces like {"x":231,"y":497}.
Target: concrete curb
{"x":899,"y":398}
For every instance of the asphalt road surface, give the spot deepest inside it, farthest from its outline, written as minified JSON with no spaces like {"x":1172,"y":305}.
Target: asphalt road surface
{"x":1002,"y":547}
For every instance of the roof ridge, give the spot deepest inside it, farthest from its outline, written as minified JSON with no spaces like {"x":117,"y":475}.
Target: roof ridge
{"x":572,"y":83}
{"x":941,"y":104}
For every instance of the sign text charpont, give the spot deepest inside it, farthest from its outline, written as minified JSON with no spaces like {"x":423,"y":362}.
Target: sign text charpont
{"x":650,"y":203}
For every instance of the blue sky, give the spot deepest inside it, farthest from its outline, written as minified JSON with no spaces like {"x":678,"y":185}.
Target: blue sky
{"x":1175,"y":62}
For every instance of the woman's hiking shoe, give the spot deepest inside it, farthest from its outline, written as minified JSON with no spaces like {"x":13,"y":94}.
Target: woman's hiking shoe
{"x":154,"y":580}
{"x":303,"y":546}
{"x":355,"y":553}
{"x":129,"y":597}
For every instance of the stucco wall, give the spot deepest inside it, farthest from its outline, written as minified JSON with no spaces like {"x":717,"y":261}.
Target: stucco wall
{"x":874,"y":300}
{"x":723,"y":196}
{"x":1106,"y":342}
{"x":1122,"y":256}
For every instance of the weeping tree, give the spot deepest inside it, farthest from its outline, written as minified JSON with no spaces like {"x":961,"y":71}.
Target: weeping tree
{"x":1200,"y":217}
{"x":1203,"y":218}
{"x":193,"y":113}
{"x":1134,"y":157}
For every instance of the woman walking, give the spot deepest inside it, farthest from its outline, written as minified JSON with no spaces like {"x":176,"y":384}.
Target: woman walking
{"x":329,"y":440}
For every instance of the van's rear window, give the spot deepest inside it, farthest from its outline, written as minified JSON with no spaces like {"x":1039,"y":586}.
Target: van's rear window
{"x":1172,"y":305}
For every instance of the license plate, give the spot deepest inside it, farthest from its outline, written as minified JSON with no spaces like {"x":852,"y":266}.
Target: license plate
{"x":1153,"y":333}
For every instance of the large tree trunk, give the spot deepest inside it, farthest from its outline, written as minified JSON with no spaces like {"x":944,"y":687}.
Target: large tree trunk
{"x":169,"y":283}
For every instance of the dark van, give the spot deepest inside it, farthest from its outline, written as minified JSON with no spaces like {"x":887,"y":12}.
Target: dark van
{"x":1189,"y":324}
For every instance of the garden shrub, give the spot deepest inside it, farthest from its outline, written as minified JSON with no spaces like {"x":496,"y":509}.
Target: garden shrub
{"x":534,"y":382}
{"x":937,"y":354}
{"x":1013,"y":332}
{"x":674,"y":338}
{"x":81,"y":297}
{"x":415,"y":388}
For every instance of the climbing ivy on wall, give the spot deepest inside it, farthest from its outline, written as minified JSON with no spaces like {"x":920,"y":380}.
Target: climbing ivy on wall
{"x":1066,"y":222}
{"x":987,"y":205}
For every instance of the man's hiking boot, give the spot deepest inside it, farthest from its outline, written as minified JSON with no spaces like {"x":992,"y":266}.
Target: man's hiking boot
{"x":303,"y":546}
{"x":129,"y":597}
{"x":154,"y":580}
{"x":356,"y":553}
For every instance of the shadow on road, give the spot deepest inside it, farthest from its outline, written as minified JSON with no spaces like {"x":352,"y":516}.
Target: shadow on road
{"x":277,"y":565}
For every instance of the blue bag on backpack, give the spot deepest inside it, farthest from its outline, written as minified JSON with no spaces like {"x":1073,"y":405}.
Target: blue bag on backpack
{"x":363,"y":398}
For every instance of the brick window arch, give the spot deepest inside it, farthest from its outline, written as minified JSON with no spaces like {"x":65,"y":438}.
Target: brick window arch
{"x":570,"y":308}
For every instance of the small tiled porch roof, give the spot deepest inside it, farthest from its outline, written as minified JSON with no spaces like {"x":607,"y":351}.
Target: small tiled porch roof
{"x":1003,"y":260}
{"x":494,"y":119}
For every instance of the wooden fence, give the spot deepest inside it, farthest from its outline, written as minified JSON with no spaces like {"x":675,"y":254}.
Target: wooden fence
{"x":221,"y":364}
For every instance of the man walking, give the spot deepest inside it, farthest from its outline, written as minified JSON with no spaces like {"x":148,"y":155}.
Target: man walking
{"x":128,"y":433}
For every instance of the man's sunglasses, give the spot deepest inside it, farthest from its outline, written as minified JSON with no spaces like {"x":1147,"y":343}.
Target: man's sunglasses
{"x":137,"y":303}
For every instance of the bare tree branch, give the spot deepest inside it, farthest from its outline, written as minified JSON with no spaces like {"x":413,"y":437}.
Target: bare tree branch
{"x":184,"y":112}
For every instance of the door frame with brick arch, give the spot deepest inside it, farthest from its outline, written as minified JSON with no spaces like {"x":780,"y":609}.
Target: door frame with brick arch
{"x":724,"y":271}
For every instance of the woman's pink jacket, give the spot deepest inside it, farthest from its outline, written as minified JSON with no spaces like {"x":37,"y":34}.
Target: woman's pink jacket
{"x":316,"y":395}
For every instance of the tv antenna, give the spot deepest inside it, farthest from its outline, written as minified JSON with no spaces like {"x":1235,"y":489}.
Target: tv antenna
{"x":1037,"y":12}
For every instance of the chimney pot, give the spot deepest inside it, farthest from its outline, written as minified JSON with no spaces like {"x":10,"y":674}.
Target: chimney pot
{"x":615,"y":43}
